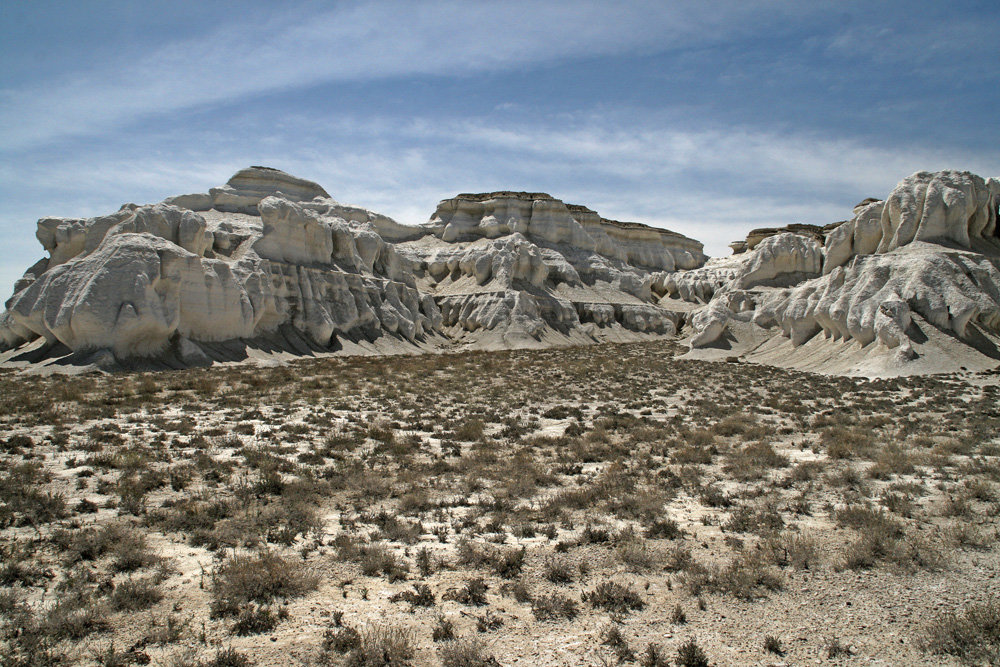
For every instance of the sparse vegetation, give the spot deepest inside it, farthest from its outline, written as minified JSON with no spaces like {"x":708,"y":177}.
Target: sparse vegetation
{"x":691,"y":655}
{"x":972,"y":635}
{"x":615,"y":597}
{"x":554,"y":606}
{"x":437,"y":500}
{"x":382,"y":646}
{"x":466,"y":653}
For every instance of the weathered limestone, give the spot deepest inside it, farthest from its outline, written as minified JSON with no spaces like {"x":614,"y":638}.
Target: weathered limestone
{"x":784,"y":259}
{"x":540,"y":217}
{"x":785,"y":256}
{"x":859,"y":236}
{"x":248,"y":187}
{"x":245,"y":190}
{"x":929,"y":250}
{"x":755,"y":236}
{"x":952,"y":206}
{"x":270,"y":257}
{"x":269,"y":252}
{"x":569,"y":268}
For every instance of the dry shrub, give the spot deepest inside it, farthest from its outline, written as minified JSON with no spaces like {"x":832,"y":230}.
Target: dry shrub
{"x":554,"y":606}
{"x":972,"y":635}
{"x":260,"y":578}
{"x":468,"y":652}
{"x":382,"y":646}
{"x":615,"y":597}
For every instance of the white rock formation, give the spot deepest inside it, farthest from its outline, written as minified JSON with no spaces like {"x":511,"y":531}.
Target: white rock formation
{"x":160,"y":274}
{"x":247,"y":188}
{"x":785,"y":257}
{"x":519,"y":264}
{"x":755,"y":236}
{"x":859,"y":236}
{"x":270,"y":261}
{"x":546,"y":220}
{"x":944,"y":207}
{"x":929,"y":251}
{"x":270,"y":257}
{"x":941,"y":206}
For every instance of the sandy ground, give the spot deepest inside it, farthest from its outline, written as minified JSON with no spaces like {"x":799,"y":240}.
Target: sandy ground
{"x":615,"y":420}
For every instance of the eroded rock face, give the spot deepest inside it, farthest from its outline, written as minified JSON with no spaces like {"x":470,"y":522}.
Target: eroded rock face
{"x":940,"y":206}
{"x":153,"y":277}
{"x":269,"y":252}
{"x":954,"y":207}
{"x":245,"y":190}
{"x":859,"y":236}
{"x":784,"y":259}
{"x":873,"y":299}
{"x":929,"y":251}
{"x":755,"y":236}
{"x":519,"y":264}
{"x":549,"y":221}
{"x":270,"y":257}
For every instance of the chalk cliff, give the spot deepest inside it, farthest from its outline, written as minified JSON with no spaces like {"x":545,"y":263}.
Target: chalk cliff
{"x":271,"y":264}
{"x":270,"y":260}
{"x":924,"y":261}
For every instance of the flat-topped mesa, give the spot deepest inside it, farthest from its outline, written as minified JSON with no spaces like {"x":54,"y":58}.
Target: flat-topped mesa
{"x":245,"y":190}
{"x":541,"y":217}
{"x":755,"y":236}
{"x":637,"y":241}
{"x":502,"y":194}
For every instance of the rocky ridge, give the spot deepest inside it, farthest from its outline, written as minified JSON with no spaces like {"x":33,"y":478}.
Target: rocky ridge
{"x":271,"y":264}
{"x":270,"y":261}
{"x":903,"y":271}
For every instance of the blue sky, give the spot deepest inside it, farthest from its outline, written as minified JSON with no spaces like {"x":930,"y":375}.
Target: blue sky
{"x":709,"y":118}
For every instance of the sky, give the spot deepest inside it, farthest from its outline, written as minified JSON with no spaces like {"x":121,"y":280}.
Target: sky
{"x":708,"y":118}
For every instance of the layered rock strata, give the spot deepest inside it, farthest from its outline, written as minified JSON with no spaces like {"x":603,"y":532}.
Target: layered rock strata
{"x":271,"y":261}
{"x":271,"y":256}
{"x":929,"y":252}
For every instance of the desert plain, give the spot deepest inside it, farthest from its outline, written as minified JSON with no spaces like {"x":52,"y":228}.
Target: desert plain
{"x":593,"y":505}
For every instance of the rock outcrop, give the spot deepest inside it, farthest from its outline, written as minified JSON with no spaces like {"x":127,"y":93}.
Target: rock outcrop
{"x":271,"y":261}
{"x":517,"y":264}
{"x":859,"y":236}
{"x":755,"y":236}
{"x":550,"y":221}
{"x":926,"y":256}
{"x":161,"y":275}
{"x":271,"y":264}
{"x":951,"y":206}
{"x":245,"y":190}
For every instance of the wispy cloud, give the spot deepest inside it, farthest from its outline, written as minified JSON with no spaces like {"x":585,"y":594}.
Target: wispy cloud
{"x":648,"y":153}
{"x":659,"y":112}
{"x":351,"y":42}
{"x":713,"y":183}
{"x":933,"y":36}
